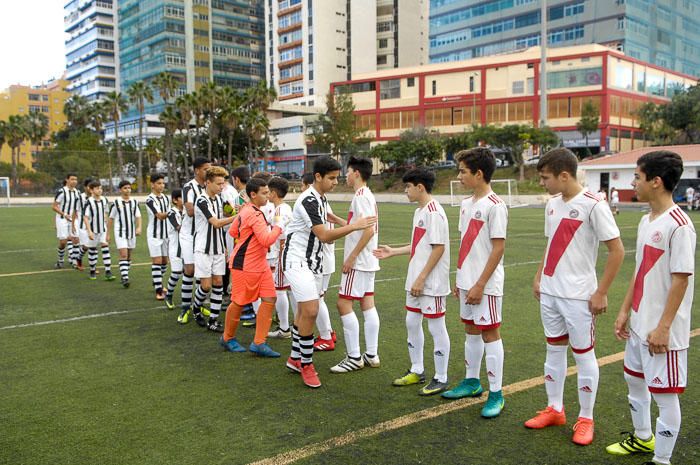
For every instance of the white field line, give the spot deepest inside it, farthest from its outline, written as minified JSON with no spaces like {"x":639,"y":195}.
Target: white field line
{"x":78,"y":318}
{"x":410,"y":419}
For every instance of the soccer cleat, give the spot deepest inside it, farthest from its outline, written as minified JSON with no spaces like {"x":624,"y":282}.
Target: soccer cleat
{"x":494,"y":405}
{"x":108,"y":276}
{"x":93,"y":276}
{"x":248,"y":313}
{"x":199,"y":319}
{"x":249,"y":323}
{"x":125,"y":282}
{"x":204,"y":310}
{"x":294,"y":365}
{"x":324,"y":345}
{"x":372,"y":362}
{"x":433,"y":387}
{"x":169,"y":301}
{"x":583,"y":432}
{"x":279,"y":333}
{"x":58,"y":265}
{"x":347,"y":365}
{"x":215,"y":325}
{"x":547,"y":417}
{"x":79,"y":265}
{"x":309,"y":376}
{"x":160,"y":295}
{"x":263,"y":350}
{"x":409,"y":378}
{"x":231,"y":345}
{"x":631,"y":445}
{"x":468,"y":387}
{"x":184,"y":316}
{"x":334,"y":337}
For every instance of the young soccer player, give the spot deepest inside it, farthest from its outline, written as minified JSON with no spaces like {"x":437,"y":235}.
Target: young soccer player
{"x":157,"y":206}
{"x":64,"y":205}
{"x":483,"y":219}
{"x":240,"y":176}
{"x":357,"y":280}
{"x":615,"y":201}
{"x":191,"y":191}
{"x":83,"y":238}
{"x":427,"y":281}
{"x":174,"y":251}
{"x":303,"y":262}
{"x":95,"y":213}
{"x":568,"y":290}
{"x":209,"y":248}
{"x":125,"y":217}
{"x":251,"y":276}
{"x":655,"y":316}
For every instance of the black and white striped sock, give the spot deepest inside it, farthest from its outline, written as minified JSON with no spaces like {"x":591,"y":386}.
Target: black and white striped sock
{"x":163,"y":269}
{"x":61,"y":254}
{"x":157,"y":277}
{"x":124,"y":268}
{"x":217,"y":295}
{"x":306,"y":347}
{"x":81,"y":252}
{"x":186,"y":291}
{"x":172,"y":281}
{"x":71,"y":256}
{"x":106,"y":259}
{"x":199,"y":297}
{"x":296,"y":353}
{"x":92,"y":259}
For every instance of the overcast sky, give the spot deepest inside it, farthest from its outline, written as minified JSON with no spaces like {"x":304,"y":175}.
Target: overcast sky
{"x":32,"y":47}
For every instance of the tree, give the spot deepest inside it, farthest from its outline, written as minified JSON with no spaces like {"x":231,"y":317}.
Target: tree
{"x":37,"y":128}
{"x":256,"y":101}
{"x":97,"y":115}
{"x":211,"y":97}
{"x":676,"y":122}
{"x":77,"y":111}
{"x":171,"y":121}
{"x":116,"y":104}
{"x":590,"y":118}
{"x":16,"y":131}
{"x":167,"y":85}
{"x":418,"y":147}
{"x":139,"y":93}
{"x":185,"y":107}
{"x":230,"y":118}
{"x":337,"y":131}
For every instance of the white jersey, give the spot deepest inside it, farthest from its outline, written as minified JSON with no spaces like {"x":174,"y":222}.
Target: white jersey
{"x":124,"y":214}
{"x":284,"y":212}
{"x":430,"y":227}
{"x":82,"y":201}
{"x":190,"y":192}
{"x":68,"y":200}
{"x":207,"y":238}
{"x":665,"y":245}
{"x":230,"y":195}
{"x":269,"y":211}
{"x":157,"y":229}
{"x":615,"y":197}
{"x":480,"y":220}
{"x":362,"y":205}
{"x":302,"y":246}
{"x":96,"y":213}
{"x":174,"y":221}
{"x":574,"y":230}
{"x":329,"y":248}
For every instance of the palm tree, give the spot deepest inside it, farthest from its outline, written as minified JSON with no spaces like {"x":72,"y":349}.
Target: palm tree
{"x":256,"y":125}
{"x":230,"y":117}
{"x":211,"y":98}
{"x":153,"y":149}
{"x":170,"y":120}
{"x":139,"y":93}
{"x":97,"y":115}
{"x":185,"y":106}
{"x":16,"y":131}
{"x":116,"y":104}
{"x":76,"y":109}
{"x":37,"y":128}
{"x":167,"y":85}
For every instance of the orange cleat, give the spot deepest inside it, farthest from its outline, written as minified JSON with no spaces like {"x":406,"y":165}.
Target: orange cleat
{"x":545,"y":418}
{"x":583,"y":432}
{"x":324,"y":345}
{"x":294,"y":365}
{"x":309,"y":376}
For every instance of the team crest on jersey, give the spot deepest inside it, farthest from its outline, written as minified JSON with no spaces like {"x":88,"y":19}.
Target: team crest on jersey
{"x":573,"y":213}
{"x":477,"y":215}
{"x":550,"y":212}
{"x":656,"y":237}
{"x":420,"y":223}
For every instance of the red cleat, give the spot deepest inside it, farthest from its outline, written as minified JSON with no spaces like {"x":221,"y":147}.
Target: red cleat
{"x":333,"y":336}
{"x":294,"y":365}
{"x":583,"y":432}
{"x":324,"y":345}
{"x":309,"y":376}
{"x":545,"y":418}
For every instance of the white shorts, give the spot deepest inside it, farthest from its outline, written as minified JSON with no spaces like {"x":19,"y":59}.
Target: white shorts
{"x":427,"y":305}
{"x":280,"y":280}
{"x":176,"y":264}
{"x":356,"y":285}
{"x":306,"y":286}
{"x":663,"y":373}
{"x":568,"y":319}
{"x":64,"y":228}
{"x":484,"y":315}
{"x":157,"y":247}
{"x":83,"y":237}
{"x":123,"y":243}
{"x":206,"y":266}
{"x":187,"y":249}
{"x":325,"y":282}
{"x":98,"y":241}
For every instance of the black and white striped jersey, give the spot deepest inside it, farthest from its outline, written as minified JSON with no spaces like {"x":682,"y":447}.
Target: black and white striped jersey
{"x":80,"y":211}
{"x":124,"y":214}
{"x":174,"y":221}
{"x":68,"y":200}
{"x":190,"y":192}
{"x":302,"y":246}
{"x":157,"y":229}
{"x":207,"y":238}
{"x":96,"y":213}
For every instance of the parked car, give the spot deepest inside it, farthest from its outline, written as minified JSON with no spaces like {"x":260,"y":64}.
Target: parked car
{"x":291,"y":176}
{"x":502,"y":162}
{"x":444,"y":165}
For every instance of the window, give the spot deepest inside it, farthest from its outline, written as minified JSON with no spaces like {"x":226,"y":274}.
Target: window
{"x":390,"y":120}
{"x":496,"y":113}
{"x":663,"y":37}
{"x":409,"y":119}
{"x":410,"y":82}
{"x":389,"y":89}
{"x":518,"y":87}
{"x":575,"y":78}
{"x":34,"y":97}
{"x":366,"y":122}
{"x":471,"y":84}
{"x":383,"y":43}
{"x":381,"y":59}
{"x":434,"y":88}
{"x":520,"y":111}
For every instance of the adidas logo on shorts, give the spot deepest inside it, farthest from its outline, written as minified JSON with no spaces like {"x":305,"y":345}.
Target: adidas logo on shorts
{"x":586,"y":389}
{"x":656,"y":380}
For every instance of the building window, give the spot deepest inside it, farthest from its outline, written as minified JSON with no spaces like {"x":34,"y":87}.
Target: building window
{"x":381,"y":59}
{"x":390,"y":89}
{"x":383,"y":43}
{"x":518,"y":87}
{"x":575,"y":78}
{"x":434,"y":88}
{"x":410,"y":82}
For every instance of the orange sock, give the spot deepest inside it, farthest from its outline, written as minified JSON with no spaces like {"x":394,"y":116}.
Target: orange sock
{"x":263,"y":321}
{"x":233,"y":317}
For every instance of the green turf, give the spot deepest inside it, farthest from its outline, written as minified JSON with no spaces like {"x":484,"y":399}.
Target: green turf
{"x":136,"y":387}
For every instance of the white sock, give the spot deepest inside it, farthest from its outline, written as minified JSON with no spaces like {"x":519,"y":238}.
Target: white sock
{"x":667,"y":426}
{"x":282,"y":308}
{"x":351,"y":330}
{"x":555,"y":375}
{"x":323,"y":320}
{"x":414,"y":328}
{"x":371,"y":318}
{"x":640,"y":406}
{"x":441,"y":344}
{"x":494,"y":364}
{"x":588,"y":375}
{"x":473,"y":352}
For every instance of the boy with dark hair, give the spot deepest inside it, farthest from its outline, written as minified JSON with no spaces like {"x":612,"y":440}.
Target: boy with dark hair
{"x":565,"y":284}
{"x":240,"y":176}
{"x":359,"y":268}
{"x":303,"y":262}
{"x":64,"y":205}
{"x":307,"y":179}
{"x":174,"y":223}
{"x":483,"y":220}
{"x":427,"y":281}
{"x":157,"y":206}
{"x":125,"y":217}
{"x":654,"y":317}
{"x":83,"y":238}
{"x":95,"y":221}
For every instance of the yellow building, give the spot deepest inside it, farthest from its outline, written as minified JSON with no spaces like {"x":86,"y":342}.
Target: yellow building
{"x":22,"y":100}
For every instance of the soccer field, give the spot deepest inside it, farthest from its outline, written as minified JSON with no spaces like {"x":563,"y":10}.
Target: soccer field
{"x":92,"y":373}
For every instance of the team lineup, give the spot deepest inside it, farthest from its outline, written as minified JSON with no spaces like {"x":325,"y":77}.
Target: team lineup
{"x":240,"y":239}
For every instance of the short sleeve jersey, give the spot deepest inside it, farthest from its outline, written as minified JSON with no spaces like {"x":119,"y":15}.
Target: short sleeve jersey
{"x":68,"y":200}
{"x":207,"y":238}
{"x":96,"y":213}
{"x":174,"y":221}
{"x":230,"y":195}
{"x":190,"y":192}
{"x":574,"y":229}
{"x":329,"y":248}
{"x":80,"y":210}
{"x":362,"y":205}
{"x":665,"y":246}
{"x":302,"y":246}
{"x":269,"y":212}
{"x":283,"y":213}
{"x":124,"y":214}
{"x":480,"y":220}
{"x":430,"y":227}
{"x":155,"y":204}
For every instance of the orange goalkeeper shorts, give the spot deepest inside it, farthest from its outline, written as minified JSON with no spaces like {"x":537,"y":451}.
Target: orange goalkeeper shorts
{"x":247,"y":287}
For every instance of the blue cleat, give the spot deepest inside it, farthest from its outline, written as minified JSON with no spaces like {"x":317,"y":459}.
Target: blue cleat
{"x":469,"y":387}
{"x":494,"y":405}
{"x":263,"y":350}
{"x":231,"y":345}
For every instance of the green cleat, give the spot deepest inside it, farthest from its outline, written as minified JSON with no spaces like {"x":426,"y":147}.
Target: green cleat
{"x":169,"y":301}
{"x":184,"y":316}
{"x":432,"y":388}
{"x":468,"y":387}
{"x":109,"y":276}
{"x":494,"y":405}
{"x":409,"y":378}
{"x":631,"y":445}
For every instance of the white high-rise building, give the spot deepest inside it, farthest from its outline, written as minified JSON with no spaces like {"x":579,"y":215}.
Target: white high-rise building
{"x":91,"y":47}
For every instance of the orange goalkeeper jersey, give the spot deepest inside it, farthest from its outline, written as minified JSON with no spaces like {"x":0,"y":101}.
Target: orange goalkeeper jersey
{"x":253,"y":237}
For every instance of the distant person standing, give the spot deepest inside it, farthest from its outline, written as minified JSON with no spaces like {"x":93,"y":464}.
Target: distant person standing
{"x":602,"y":194}
{"x":64,"y":205}
{"x":689,"y":196}
{"x":614,"y":201}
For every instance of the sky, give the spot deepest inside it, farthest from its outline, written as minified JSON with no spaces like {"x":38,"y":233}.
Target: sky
{"x":32,"y":48}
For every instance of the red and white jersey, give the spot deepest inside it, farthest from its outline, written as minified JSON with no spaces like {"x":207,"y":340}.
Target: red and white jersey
{"x":362,"y":205}
{"x":284,"y":212}
{"x":480,"y":220}
{"x":665,"y":245}
{"x":328,"y":250}
{"x":269,"y":211}
{"x":574,"y":230}
{"x":430,"y":227}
